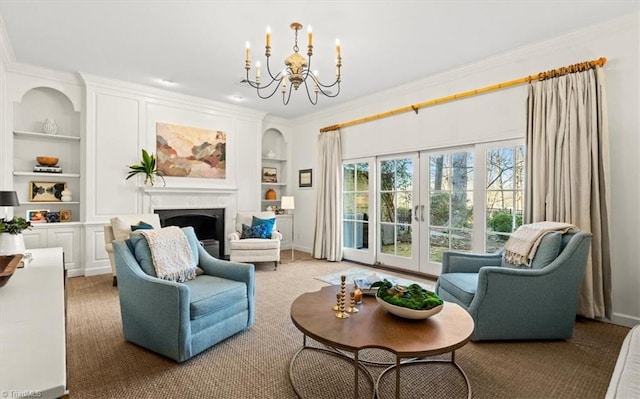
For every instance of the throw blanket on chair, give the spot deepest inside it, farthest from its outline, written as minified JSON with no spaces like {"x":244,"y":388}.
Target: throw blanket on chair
{"x":170,"y":253}
{"x":523,"y":243}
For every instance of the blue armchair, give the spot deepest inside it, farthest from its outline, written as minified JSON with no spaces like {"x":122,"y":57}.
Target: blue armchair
{"x":509,"y":303}
{"x":180,"y":320}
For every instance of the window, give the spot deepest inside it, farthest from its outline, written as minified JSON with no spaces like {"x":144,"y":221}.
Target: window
{"x":355,"y":202}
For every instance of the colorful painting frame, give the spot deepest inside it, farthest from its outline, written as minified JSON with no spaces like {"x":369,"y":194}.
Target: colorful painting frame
{"x":187,"y":151}
{"x":46,"y":191}
{"x":37,"y":215}
{"x":269,"y":174}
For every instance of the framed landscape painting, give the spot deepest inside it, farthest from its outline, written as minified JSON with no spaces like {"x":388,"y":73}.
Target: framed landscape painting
{"x":186,"y":151}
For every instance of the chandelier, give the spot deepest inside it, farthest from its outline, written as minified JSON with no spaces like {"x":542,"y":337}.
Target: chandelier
{"x":297,"y":71}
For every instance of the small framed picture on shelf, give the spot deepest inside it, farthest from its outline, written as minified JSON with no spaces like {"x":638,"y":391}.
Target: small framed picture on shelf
{"x":65,"y":215}
{"x":269,"y":175}
{"x":46,"y":191}
{"x":37,"y":215}
{"x":305,"y":178}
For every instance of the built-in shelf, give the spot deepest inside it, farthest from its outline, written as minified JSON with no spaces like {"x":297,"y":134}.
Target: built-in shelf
{"x":45,"y":136}
{"x":274,"y":159}
{"x":271,"y":201}
{"x":274,"y":184}
{"x":46,"y":174}
{"x":44,"y":225}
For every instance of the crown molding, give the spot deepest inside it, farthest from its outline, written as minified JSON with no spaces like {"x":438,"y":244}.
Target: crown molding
{"x":529,"y":51}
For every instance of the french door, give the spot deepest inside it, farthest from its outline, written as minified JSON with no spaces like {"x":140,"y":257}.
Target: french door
{"x":405,"y":210}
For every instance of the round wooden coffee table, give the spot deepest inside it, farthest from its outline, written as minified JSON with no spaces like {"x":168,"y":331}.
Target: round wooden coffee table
{"x":373,"y":327}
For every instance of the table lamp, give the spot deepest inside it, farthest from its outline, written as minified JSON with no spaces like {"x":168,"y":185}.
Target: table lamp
{"x":7,"y":199}
{"x":288,"y":203}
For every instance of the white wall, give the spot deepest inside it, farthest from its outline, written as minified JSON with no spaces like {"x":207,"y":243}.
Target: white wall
{"x":502,"y":115}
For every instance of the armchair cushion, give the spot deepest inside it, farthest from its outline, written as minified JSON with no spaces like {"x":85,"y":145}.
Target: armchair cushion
{"x":210,"y":294}
{"x":141,"y":251}
{"x":141,"y":226}
{"x":547,"y":251}
{"x":268,"y":224}
{"x":462,"y":285}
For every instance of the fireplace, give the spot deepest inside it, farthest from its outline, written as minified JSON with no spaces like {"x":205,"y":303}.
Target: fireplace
{"x":207,"y":223}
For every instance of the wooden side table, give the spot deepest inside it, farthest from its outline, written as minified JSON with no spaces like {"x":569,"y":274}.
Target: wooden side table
{"x":407,"y":339}
{"x":32,"y":329}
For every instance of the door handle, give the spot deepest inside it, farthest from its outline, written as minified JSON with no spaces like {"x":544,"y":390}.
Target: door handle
{"x":415,"y":213}
{"x":422,"y":213}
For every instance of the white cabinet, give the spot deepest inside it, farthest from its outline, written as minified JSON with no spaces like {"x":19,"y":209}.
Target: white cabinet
{"x":284,"y":224}
{"x":49,"y":235}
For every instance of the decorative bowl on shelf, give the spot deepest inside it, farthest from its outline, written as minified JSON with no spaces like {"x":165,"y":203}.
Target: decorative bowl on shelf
{"x":47,"y":161}
{"x":8,"y":265}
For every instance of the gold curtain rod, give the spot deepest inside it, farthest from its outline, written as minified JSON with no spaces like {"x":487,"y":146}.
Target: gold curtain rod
{"x":582,"y":66}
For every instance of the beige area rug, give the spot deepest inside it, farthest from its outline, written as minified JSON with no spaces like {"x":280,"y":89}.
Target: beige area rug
{"x":255,"y":363}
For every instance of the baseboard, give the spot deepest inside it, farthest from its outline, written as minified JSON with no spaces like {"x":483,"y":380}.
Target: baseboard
{"x":75,"y":273}
{"x":97,"y":270}
{"x":624,"y":320}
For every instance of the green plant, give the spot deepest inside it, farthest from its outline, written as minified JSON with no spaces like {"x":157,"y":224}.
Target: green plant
{"x":412,"y":296}
{"x":14,"y":226}
{"x":147,"y":166}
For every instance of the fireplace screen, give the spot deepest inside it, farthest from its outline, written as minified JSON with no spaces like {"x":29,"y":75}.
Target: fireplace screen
{"x":207,"y":223}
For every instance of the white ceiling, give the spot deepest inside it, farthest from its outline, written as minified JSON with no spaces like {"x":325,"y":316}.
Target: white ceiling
{"x":199,"y":45}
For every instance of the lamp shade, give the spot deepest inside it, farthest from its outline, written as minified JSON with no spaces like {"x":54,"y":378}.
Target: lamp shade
{"x":287,"y":203}
{"x":9,"y":198}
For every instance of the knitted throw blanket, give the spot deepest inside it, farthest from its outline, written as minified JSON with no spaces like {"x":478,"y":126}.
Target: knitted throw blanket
{"x":170,"y":253}
{"x":523,"y":243}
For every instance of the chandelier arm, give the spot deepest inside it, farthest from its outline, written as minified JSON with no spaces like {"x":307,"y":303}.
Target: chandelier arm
{"x":269,"y":71}
{"x":306,"y":86}
{"x":275,"y":89}
{"x":288,"y":96}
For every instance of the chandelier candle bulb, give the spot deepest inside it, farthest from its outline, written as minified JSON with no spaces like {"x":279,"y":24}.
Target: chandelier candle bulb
{"x":268,"y":36}
{"x":248,"y":52}
{"x":258,"y":71}
{"x":310,"y":36}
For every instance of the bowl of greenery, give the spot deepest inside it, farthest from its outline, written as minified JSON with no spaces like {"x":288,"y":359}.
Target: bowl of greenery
{"x":411,"y":301}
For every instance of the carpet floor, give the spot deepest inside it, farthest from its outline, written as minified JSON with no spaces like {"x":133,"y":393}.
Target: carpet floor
{"x":255,"y":363}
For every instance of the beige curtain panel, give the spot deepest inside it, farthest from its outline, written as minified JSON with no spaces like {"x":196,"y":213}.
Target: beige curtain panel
{"x":567,"y":167}
{"x":327,"y":241}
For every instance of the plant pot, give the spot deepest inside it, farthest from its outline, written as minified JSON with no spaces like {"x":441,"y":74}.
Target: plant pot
{"x":11,"y":244}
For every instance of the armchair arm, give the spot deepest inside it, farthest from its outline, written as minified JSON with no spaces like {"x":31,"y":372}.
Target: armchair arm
{"x":233,"y":236}
{"x":276,"y":235}
{"x":463,"y":262}
{"x":155,"y":312}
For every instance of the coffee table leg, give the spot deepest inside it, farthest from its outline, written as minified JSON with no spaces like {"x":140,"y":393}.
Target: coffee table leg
{"x":397,"y":377}
{"x":355,"y":369}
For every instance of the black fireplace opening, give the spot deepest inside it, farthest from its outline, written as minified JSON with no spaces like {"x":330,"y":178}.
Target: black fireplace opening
{"x":207,"y":223}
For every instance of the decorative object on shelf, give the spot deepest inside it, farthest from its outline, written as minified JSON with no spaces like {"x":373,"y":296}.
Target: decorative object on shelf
{"x":411,"y":301}
{"x":47,"y":161}
{"x":269,"y":175}
{"x":185,"y":151}
{"x":53,"y":217}
{"x":341,"y":311}
{"x":66,"y":195}
{"x":8,"y":265}
{"x":49,"y":126}
{"x":65,"y":215}
{"x":305,"y":178}
{"x":288,"y":204}
{"x":37,"y":215}
{"x":271,"y":154}
{"x":270,"y":195}
{"x":296,"y":72}
{"x":147,"y":166}
{"x":47,"y":169}
{"x":46,"y":191}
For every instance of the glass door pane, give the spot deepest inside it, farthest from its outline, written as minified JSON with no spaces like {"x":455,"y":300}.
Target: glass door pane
{"x":356,"y":212}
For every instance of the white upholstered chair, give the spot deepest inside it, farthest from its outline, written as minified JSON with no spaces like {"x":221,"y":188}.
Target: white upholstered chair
{"x":119,"y":228}
{"x":249,"y":250}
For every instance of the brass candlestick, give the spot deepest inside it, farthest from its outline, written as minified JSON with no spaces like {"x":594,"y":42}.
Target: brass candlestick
{"x":352,"y":304}
{"x":336,"y":307}
{"x":341,"y":313}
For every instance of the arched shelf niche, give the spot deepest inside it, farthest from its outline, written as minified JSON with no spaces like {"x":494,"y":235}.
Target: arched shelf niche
{"x":274,"y":161}
{"x":41,"y":103}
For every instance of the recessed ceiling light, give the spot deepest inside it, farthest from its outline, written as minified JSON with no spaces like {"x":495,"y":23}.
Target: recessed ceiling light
{"x":237,"y":98}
